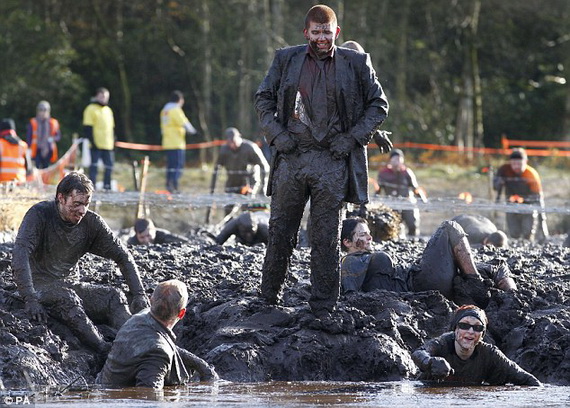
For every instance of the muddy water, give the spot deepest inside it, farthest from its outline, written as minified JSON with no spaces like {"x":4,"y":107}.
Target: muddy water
{"x":318,"y":394}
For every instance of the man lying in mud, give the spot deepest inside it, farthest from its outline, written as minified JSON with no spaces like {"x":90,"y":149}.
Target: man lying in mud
{"x":461,"y":356}
{"x":51,"y":239}
{"x":249,"y":228}
{"x":146,"y":234}
{"x":446,"y":265}
{"x":144,"y":354}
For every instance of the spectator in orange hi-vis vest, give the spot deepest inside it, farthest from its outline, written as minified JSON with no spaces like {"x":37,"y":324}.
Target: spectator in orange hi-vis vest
{"x":42,"y":135}
{"x":522,"y":185}
{"x":13,"y":163}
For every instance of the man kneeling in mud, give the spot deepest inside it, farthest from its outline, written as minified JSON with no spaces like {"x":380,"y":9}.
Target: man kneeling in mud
{"x":50,"y":241}
{"x":144,"y":354}
{"x":446,"y":265}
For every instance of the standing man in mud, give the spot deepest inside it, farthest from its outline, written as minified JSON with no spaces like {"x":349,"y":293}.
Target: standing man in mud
{"x":319,"y":106}
{"x":50,"y":241}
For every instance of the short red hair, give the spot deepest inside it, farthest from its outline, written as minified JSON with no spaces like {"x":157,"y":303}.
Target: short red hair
{"x":320,"y":14}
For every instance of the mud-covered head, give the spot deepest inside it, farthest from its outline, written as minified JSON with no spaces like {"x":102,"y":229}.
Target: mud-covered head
{"x":73,"y":196}
{"x":498,"y":239}
{"x":168,"y":301}
{"x":145,"y":231}
{"x":355,"y":235}
{"x":321,"y":29}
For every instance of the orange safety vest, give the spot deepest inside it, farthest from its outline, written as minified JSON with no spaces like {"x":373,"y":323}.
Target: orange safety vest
{"x":54,"y":129}
{"x":12,"y":160}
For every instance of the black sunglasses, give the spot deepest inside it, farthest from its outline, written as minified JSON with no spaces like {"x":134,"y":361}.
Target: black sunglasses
{"x":466,"y":326}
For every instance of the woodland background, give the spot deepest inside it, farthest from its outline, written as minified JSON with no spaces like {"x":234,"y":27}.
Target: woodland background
{"x":457,"y":72}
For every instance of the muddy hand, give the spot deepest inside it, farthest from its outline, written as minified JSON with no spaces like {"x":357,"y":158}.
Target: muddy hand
{"x":284,"y":143}
{"x":36,"y":311}
{"x":439,"y":367}
{"x":383,"y":141}
{"x":139,"y":303}
{"x":342,"y":145}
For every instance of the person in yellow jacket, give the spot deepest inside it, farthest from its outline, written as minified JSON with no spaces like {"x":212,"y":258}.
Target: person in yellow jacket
{"x":42,"y":135}
{"x":99,"y":128}
{"x":13,"y":150}
{"x":174,"y":126}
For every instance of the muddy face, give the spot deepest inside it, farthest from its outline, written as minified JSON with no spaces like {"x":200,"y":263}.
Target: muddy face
{"x":361,"y":239}
{"x":467,"y":334}
{"x":321,"y":37}
{"x":72,"y":208}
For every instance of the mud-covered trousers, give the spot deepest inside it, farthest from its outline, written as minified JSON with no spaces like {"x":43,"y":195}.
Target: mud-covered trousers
{"x":78,"y":305}
{"x":297,"y":177}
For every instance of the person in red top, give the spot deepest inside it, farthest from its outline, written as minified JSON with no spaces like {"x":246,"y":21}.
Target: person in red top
{"x":42,"y":135}
{"x":13,"y":161}
{"x":398,"y":180}
{"x":522,"y":185}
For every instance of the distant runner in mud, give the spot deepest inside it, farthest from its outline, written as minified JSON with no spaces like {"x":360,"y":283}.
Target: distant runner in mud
{"x":481,"y":231}
{"x":249,"y":228}
{"x":461,"y":356}
{"x":446,"y":265}
{"x":51,"y":239}
{"x":144,"y":354}
{"x":522,"y":185}
{"x":146,"y":233}
{"x":319,"y":106}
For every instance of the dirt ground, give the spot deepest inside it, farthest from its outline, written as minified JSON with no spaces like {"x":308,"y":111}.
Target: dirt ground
{"x":370,"y":338}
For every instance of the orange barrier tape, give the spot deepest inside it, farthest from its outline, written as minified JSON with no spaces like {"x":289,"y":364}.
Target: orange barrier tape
{"x":484,"y":150}
{"x":534,"y":143}
{"x":140,"y":146}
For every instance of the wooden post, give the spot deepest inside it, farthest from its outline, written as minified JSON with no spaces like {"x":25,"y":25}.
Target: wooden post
{"x":141,"y":212}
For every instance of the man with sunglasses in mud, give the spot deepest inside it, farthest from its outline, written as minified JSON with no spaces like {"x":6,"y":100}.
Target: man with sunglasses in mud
{"x":462,"y":357}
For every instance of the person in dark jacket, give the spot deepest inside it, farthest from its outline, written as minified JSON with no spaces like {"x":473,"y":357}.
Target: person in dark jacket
{"x":146,"y":233}
{"x":145,"y":354}
{"x":249,"y":228}
{"x":52,"y":238}
{"x":319,"y":106}
{"x":481,"y":230}
{"x":446,"y":265}
{"x":461,"y":356}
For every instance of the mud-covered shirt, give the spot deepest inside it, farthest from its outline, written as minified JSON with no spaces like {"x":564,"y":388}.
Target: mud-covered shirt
{"x":47,"y":248}
{"x":487,"y":364}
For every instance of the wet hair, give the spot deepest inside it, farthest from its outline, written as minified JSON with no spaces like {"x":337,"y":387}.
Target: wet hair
{"x":498,"y":239}
{"x":518,"y":153}
{"x":142,"y":224}
{"x":348,"y":227}
{"x":168,"y":299}
{"x":176,"y":96}
{"x":353,"y":45}
{"x":468,"y":310}
{"x":320,"y":14}
{"x":74,"y":181}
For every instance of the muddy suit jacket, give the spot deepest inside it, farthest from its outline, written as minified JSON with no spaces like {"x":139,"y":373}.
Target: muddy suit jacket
{"x":361,"y":102}
{"x":487,"y":364}
{"x":47,"y":249}
{"x":144,"y":354}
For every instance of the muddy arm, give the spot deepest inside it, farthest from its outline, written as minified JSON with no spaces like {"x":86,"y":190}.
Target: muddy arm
{"x":195,"y":363}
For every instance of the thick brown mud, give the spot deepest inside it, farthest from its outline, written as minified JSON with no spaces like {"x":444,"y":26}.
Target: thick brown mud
{"x":369,"y":339}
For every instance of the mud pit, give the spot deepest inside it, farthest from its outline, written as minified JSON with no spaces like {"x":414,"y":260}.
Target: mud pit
{"x":370,"y":338}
